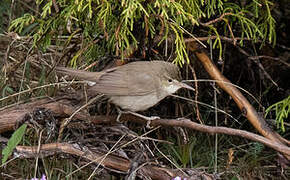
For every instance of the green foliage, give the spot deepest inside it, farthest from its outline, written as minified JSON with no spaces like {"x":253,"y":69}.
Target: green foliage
{"x":6,"y":91}
{"x":120,"y":23}
{"x":192,"y":154}
{"x":255,"y":149}
{"x":19,"y":23}
{"x":251,"y":158}
{"x":13,"y":142}
{"x":282,"y":109}
{"x":183,"y":153}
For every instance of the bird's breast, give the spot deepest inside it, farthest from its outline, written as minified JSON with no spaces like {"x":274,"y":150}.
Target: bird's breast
{"x":137,"y":103}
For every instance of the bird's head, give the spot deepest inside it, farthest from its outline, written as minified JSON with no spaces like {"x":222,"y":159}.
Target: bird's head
{"x":171,"y":80}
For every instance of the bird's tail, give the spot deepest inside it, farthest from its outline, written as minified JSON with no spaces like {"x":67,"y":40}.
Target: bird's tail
{"x":79,"y":74}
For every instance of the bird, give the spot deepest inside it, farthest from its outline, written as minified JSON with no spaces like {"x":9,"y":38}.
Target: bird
{"x":135,"y":86}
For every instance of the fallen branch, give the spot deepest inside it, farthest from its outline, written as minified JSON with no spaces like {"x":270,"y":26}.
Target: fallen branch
{"x":111,"y":161}
{"x":12,"y":117}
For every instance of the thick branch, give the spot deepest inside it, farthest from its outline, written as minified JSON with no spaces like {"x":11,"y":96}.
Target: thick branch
{"x":246,"y":108}
{"x":111,"y":161}
{"x":11,"y":117}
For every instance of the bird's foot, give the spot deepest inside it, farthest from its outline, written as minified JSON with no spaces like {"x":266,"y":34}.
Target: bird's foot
{"x":149,"y":119}
{"x":118,"y":117}
{"x":120,"y":112}
{"x":180,"y":119}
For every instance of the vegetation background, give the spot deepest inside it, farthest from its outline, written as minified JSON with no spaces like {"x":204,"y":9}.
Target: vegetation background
{"x":247,"y":40}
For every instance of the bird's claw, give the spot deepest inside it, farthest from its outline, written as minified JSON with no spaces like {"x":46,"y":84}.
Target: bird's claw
{"x":149,"y":119}
{"x":118,"y":117}
{"x":120,"y":112}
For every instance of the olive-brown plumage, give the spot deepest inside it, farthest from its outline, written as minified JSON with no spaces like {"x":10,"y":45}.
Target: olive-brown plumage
{"x":136,"y":86}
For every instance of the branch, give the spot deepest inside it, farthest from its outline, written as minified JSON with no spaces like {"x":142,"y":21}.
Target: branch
{"x":246,"y":108}
{"x":12,"y":117}
{"x":186,"y":123}
{"x":215,"y":20}
{"x":110,"y":161}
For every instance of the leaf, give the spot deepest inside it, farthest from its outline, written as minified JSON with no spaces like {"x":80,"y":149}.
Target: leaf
{"x":13,"y":142}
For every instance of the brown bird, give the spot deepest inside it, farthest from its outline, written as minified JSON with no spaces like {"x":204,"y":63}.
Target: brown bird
{"x":134,"y":87}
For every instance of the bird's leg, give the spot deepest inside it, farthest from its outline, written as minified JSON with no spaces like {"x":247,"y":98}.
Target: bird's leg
{"x":149,"y":119}
{"x":120,"y":112}
{"x":142,"y":116}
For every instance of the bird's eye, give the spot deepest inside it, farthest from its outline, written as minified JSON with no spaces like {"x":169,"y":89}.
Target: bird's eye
{"x":170,"y":80}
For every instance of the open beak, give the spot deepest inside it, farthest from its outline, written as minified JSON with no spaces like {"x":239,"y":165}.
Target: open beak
{"x":183,"y":85}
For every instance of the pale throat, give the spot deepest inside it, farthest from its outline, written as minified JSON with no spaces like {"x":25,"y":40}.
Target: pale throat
{"x":171,"y":88}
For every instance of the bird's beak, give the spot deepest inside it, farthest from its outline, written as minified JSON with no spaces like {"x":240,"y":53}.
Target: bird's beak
{"x":183,"y":85}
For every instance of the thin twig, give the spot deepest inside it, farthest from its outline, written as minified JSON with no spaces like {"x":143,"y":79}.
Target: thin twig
{"x":215,"y":20}
{"x":196,"y":94}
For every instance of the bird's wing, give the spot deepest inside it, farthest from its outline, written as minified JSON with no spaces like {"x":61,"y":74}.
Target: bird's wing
{"x":137,"y":78}
{"x":126,"y":80}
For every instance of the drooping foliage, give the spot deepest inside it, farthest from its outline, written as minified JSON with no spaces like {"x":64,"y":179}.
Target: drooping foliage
{"x":119,"y":25}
